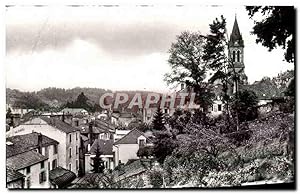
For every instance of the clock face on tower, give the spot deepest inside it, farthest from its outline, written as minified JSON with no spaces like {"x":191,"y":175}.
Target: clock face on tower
{"x":236,"y":43}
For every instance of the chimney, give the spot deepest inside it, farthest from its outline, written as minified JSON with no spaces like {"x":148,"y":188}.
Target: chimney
{"x":90,"y":133}
{"x":89,"y":147}
{"x":40,"y":140}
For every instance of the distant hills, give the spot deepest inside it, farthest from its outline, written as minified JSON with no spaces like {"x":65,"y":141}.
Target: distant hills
{"x":51,"y":97}
{"x":54,"y":98}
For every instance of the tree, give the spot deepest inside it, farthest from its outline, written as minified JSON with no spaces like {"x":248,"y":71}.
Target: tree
{"x":158,"y":122}
{"x":81,"y":99}
{"x":8,"y":113}
{"x":276,"y":29}
{"x":178,"y":120}
{"x":188,"y":67}
{"x":290,"y":90}
{"x":245,"y":105}
{"x":98,"y":165}
{"x":217,"y":60}
{"x":164,"y":145}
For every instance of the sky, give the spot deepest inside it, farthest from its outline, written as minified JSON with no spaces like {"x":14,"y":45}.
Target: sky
{"x":118,"y":48}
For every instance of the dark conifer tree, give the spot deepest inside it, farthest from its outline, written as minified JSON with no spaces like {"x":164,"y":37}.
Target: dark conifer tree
{"x":158,"y":122}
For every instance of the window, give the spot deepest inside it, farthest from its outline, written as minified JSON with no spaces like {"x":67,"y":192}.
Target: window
{"x":42,"y":165}
{"x":76,"y":150}
{"x":49,"y":166}
{"x":233,"y":56}
{"x":77,"y":165}
{"x":28,"y":182}
{"x":55,"y":149}
{"x":42,"y":177}
{"x":238,"y":56}
{"x":70,"y":138}
{"x":28,"y":170}
{"x":219,"y":107}
{"x":215,"y":108}
{"x":54,"y":164}
{"x":70,"y":166}
{"x":141,"y":142}
{"x":76,"y":136}
{"x":70,"y":152}
{"x":166,"y":110}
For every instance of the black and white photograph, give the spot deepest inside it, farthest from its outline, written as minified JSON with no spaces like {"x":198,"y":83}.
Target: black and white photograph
{"x":150,"y":97}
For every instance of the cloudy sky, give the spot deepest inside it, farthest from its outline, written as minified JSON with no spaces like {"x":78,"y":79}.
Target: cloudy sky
{"x":118,"y":48}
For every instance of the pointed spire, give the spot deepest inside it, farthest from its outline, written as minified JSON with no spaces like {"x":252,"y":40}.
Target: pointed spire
{"x":235,"y":34}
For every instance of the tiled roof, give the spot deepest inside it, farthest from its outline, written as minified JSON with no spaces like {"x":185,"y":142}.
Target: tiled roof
{"x":62,"y":126}
{"x":73,"y":110}
{"x":24,"y":143}
{"x":61,"y":177}
{"x":131,"y":137}
{"x":24,"y":160}
{"x":12,"y":175}
{"x":87,"y":178}
{"x":104,"y":125}
{"x":84,"y":129}
{"x":105,"y":146}
{"x":132,"y":168}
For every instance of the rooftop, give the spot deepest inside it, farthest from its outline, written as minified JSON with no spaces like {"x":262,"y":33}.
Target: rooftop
{"x":27,"y":142}
{"x":24,"y":160}
{"x":74,"y":110}
{"x":61,"y":177}
{"x":59,"y":124}
{"x":131,"y":137}
{"x":105,"y":146}
{"x":12,"y":175}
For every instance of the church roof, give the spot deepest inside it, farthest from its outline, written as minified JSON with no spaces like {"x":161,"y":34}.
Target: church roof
{"x":235,"y":34}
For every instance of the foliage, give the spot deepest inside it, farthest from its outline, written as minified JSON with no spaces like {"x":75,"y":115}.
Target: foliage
{"x":188,"y":66}
{"x":290,"y":90}
{"x":52,"y":97}
{"x":98,"y":164}
{"x":145,"y":151}
{"x":80,"y":102}
{"x":8,"y":113}
{"x":245,"y":105}
{"x":215,"y":45}
{"x":277,"y":28}
{"x":158,"y":122}
{"x":143,"y":127}
{"x":178,"y":120}
{"x":156,"y":178}
{"x":164,"y":144}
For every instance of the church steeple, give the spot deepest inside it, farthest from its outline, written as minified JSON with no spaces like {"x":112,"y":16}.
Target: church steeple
{"x":236,"y":36}
{"x":236,"y":53}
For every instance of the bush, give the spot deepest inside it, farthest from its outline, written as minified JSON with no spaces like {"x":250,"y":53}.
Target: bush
{"x":156,"y":178}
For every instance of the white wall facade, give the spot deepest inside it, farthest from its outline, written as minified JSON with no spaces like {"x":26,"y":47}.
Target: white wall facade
{"x":32,"y":179}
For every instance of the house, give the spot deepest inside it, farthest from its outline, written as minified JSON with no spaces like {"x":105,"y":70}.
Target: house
{"x":119,"y":133}
{"x":75,"y":111}
{"x":127,"y":147}
{"x":106,"y":149}
{"x":14,"y":179}
{"x":122,"y":118}
{"x":16,"y":110}
{"x":67,"y":135}
{"x":33,"y":165}
{"x":34,"y":141}
{"x":31,"y":155}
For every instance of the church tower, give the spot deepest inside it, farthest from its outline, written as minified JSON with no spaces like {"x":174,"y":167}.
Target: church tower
{"x":236,"y":56}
